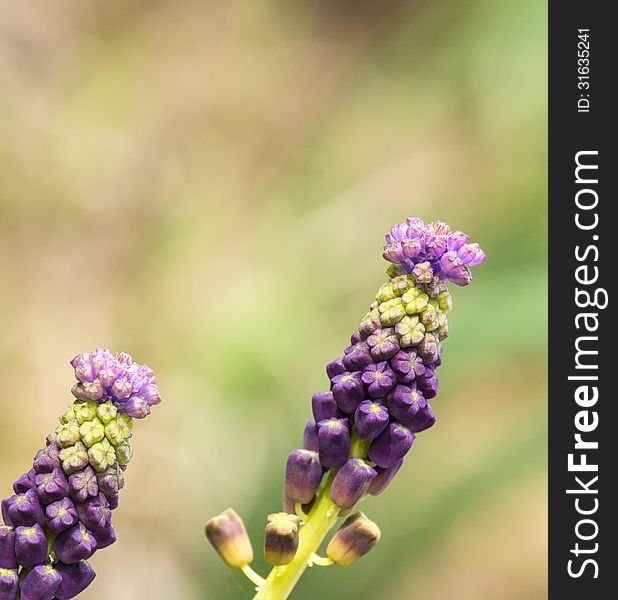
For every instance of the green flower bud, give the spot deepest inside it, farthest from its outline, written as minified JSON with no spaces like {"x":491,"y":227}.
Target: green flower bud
{"x":117,"y":432}
{"x":91,"y":432}
{"x":106,"y":412}
{"x":385,"y":293}
{"x":402,"y":284}
{"x":69,"y":415}
{"x":124,"y":452}
{"x":85,"y":411}
{"x":415,"y":300}
{"x":429,"y":318}
{"x":67,"y":434}
{"x":445,"y":302}
{"x":74,"y":458}
{"x":281,"y":538}
{"x":391,"y":312}
{"x":354,"y":539}
{"x":228,"y":536}
{"x":101,"y":455}
{"x":410,"y":331}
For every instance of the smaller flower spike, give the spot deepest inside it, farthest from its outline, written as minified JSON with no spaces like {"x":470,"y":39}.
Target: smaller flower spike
{"x":41,"y":583}
{"x":357,"y":536}
{"x":9,"y":584}
{"x":229,"y":538}
{"x":75,"y":579}
{"x":303,"y":474}
{"x":351,"y":482}
{"x":383,"y":478}
{"x":333,"y":442}
{"x":391,"y":445}
{"x":281,"y":538}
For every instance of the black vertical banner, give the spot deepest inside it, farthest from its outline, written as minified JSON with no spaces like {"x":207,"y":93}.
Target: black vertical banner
{"x":583,"y":407}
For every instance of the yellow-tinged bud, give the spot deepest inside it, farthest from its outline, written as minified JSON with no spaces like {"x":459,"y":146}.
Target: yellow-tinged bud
{"x":281,"y":538}
{"x":355,"y":538}
{"x":228,"y":536}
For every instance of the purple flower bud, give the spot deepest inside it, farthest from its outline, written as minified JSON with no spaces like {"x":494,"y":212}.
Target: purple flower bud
{"x":228,"y":536}
{"x":357,"y":536}
{"x":355,"y":338}
{"x":310,"y":437}
{"x":75,"y":544}
{"x":303,"y":474}
{"x":456,"y":240}
{"x":51,"y":486}
{"x":422,"y":420}
{"x":383,"y":478}
{"x":60,"y":515}
{"x":25,"y":482}
{"x":9,"y":584}
{"x":357,"y":357}
{"x":423,"y":272}
{"x":47,"y":459}
{"x":427,"y":383}
{"x":393,"y":252}
{"x":351,"y":482}
{"x":384,"y":344}
{"x":110,"y":481}
{"x":391,"y":445}
{"x":281,"y":538}
{"x":30,"y":545}
{"x":405,"y":402}
{"x":335,"y":368}
{"x":41,"y":583}
{"x":83,"y":484}
{"x":137,"y":407}
{"x":25,"y":509}
{"x":105,"y":537}
{"x":7,"y":548}
{"x":407,"y":365}
{"x":6,"y":504}
{"x":348,"y":391}
{"x":471,"y":255}
{"x":370,"y":419}
{"x":324,"y":407}
{"x":378,"y":379}
{"x":75,"y":579}
{"x":95,"y":514}
{"x":429,"y":348}
{"x":333,"y":442}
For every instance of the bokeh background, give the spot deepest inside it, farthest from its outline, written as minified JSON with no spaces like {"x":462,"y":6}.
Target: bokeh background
{"x":206,"y":185}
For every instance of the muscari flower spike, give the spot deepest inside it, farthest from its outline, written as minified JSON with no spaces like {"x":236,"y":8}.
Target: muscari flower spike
{"x":60,"y":513}
{"x":378,"y":401}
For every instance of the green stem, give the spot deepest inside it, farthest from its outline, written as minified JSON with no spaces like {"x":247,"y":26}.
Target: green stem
{"x":320,"y":520}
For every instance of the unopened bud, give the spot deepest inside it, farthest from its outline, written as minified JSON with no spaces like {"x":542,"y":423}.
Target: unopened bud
{"x":281,"y":538}
{"x":354,"y":539}
{"x":228,"y":536}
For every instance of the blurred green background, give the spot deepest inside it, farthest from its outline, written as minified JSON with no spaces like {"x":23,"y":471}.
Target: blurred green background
{"x":206,"y":185}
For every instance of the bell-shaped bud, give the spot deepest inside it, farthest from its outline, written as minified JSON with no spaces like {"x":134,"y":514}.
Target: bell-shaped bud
{"x":348,"y":391}
{"x":30,"y":545}
{"x":41,"y":583}
{"x":9,"y":584}
{"x":228,"y":536}
{"x":383,"y":478}
{"x":351,"y":482}
{"x":75,"y":544}
{"x":105,"y":537}
{"x":60,"y":515}
{"x":370,"y":419}
{"x":281,"y":538}
{"x":354,"y":539}
{"x":83,"y":485}
{"x":7,"y":548}
{"x":25,"y":510}
{"x":310,"y":437}
{"x":303,"y":473}
{"x":47,"y":459}
{"x":324,"y":407}
{"x":335,"y":367}
{"x":51,"y":486}
{"x":422,"y":420}
{"x":405,"y":401}
{"x":391,"y":445}
{"x":333,"y":442}
{"x":25,"y":482}
{"x":75,"y":579}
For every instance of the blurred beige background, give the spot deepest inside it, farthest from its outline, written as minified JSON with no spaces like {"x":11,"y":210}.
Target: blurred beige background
{"x":206,"y":185}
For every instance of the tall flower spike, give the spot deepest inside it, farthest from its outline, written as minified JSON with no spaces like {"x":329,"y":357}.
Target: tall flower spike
{"x":379,"y":400}
{"x":64,"y":502}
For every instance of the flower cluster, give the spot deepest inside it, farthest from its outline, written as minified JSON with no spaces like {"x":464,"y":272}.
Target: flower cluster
{"x":365,"y":424}
{"x":61,"y":511}
{"x":432,"y":250}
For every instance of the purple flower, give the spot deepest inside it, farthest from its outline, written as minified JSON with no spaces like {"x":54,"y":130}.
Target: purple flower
{"x":47,"y":459}
{"x":324,"y":406}
{"x":30,"y":545}
{"x":422,"y":420}
{"x":105,"y":537}
{"x":51,"y":486}
{"x":75,"y":544}
{"x":351,"y":482}
{"x":407,"y":365}
{"x":83,"y":484}
{"x":404,"y":402}
{"x":9,"y":584}
{"x":41,"y":583}
{"x":334,"y":368}
{"x":333,"y":442}
{"x":427,"y":383}
{"x":391,"y":445}
{"x":357,"y":536}
{"x":75,"y":579}
{"x":60,"y":515}
{"x":384,"y":344}
{"x":429,"y":348}
{"x":357,"y":357}
{"x":25,"y":509}
{"x":348,"y":391}
{"x":95,"y":513}
{"x":303,"y":474}
{"x":383,"y":478}
{"x":378,"y":379}
{"x":25,"y":482}
{"x":370,"y":419}
{"x":7,"y":548}
{"x":310,"y":437}
{"x":110,"y":481}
